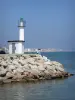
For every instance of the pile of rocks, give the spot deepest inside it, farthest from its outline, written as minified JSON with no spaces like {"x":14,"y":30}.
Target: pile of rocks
{"x":29,"y":67}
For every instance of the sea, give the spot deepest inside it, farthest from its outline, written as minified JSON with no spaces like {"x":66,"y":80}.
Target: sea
{"x":57,"y":89}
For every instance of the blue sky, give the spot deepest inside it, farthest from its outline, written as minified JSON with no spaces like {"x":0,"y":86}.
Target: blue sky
{"x":49,"y":23}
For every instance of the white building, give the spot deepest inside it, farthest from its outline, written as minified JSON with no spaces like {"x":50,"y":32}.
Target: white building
{"x":17,"y":46}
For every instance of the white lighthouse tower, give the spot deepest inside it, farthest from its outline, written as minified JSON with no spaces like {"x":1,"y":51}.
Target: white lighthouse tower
{"x":21,"y":29}
{"x":17,"y":46}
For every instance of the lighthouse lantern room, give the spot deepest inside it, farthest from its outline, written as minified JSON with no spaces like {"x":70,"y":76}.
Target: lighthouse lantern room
{"x":17,"y":46}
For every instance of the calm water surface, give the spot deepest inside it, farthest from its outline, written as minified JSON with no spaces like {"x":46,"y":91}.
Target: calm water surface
{"x":63,"y":89}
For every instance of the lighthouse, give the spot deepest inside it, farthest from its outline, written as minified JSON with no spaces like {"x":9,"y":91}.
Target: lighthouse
{"x":17,"y":46}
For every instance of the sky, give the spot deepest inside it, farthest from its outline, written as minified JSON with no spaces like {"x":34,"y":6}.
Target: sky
{"x":49,"y":23}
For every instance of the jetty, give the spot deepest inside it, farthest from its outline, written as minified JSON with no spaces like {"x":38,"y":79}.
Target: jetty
{"x":29,"y":67}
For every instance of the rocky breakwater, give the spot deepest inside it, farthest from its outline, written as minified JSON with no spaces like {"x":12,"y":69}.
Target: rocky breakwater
{"x":29,"y":67}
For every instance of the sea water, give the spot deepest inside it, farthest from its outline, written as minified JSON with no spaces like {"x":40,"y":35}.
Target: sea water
{"x":58,"y":89}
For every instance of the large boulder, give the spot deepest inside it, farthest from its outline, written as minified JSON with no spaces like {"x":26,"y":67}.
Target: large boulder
{"x":11,"y":67}
{"x":9,"y":75}
{"x":3,"y":72}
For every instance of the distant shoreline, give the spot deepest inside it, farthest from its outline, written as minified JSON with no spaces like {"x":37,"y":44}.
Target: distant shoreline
{"x":49,"y":51}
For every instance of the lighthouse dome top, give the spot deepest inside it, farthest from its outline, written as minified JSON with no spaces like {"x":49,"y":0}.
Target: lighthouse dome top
{"x":21,"y":19}
{"x":21,"y":23}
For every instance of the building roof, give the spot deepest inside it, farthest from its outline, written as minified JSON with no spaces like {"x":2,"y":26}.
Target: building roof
{"x":16,"y":41}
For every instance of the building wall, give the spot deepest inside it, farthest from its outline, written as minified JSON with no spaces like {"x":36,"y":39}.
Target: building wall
{"x":17,"y":48}
{"x":10,"y":48}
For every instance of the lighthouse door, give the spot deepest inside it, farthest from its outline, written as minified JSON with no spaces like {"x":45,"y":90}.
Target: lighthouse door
{"x":13,"y":47}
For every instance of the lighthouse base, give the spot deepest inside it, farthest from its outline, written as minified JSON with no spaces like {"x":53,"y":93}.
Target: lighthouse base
{"x":16,"y":47}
